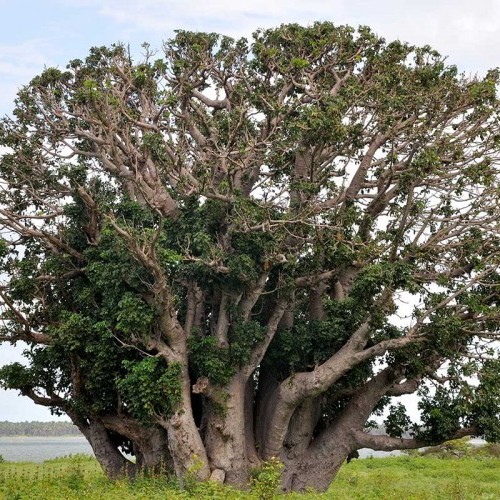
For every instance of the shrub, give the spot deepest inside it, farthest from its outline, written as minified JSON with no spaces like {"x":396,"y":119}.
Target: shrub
{"x":266,"y":479}
{"x":455,"y":448}
{"x":490,"y":450}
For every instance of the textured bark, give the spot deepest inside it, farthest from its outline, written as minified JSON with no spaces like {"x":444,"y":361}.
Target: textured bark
{"x":388,"y":443}
{"x":184,"y":440}
{"x":301,"y":428}
{"x":225,"y":437}
{"x":229,"y":446}
{"x":185,"y":445}
{"x":319,"y":463}
{"x":312,"y":471}
{"x":114,"y":464}
{"x":150,"y":443}
{"x":266,"y":403}
{"x":316,"y":304}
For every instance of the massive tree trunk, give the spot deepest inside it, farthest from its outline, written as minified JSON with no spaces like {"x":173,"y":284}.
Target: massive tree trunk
{"x":227,"y":445}
{"x":114,"y":464}
{"x":184,"y":441}
{"x":313,"y":470}
{"x":149,"y":443}
{"x":226,"y":434}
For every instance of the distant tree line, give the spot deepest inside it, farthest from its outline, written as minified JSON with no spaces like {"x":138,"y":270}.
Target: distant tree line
{"x":38,"y":429}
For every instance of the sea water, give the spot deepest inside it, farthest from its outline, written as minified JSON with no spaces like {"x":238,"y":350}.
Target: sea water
{"x":38,"y":449}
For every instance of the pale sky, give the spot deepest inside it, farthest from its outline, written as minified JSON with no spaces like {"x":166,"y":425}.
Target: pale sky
{"x":38,"y":33}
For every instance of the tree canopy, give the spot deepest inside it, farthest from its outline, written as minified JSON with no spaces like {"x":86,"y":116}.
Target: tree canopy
{"x":234,"y":250}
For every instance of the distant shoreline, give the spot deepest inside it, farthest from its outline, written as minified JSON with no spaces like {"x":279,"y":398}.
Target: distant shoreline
{"x":38,"y":429}
{"x":44,"y":437}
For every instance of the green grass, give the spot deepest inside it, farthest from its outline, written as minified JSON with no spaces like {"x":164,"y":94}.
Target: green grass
{"x":418,"y":478}
{"x":404,"y":477}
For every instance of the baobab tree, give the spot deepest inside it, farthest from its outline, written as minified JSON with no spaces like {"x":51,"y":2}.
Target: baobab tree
{"x":231,"y":251}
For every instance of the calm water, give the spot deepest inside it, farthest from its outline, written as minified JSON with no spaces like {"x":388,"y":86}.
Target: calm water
{"x":38,"y":449}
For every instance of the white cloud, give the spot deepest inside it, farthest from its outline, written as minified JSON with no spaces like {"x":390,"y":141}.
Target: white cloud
{"x":19,"y":63}
{"x":469,"y":32}
{"x":231,"y":17}
{"x":20,"y":59}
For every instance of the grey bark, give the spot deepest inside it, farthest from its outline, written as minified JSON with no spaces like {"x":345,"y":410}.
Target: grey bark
{"x":113,"y":463}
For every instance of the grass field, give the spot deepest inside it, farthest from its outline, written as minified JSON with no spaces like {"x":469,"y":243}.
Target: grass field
{"x":385,"y":478}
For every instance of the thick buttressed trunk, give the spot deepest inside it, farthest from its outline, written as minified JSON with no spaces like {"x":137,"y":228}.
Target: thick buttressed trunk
{"x":319,"y":463}
{"x":154,"y":452}
{"x":229,"y":436}
{"x":185,"y":446}
{"x":238,"y":430}
{"x":150,"y":443}
{"x":184,"y":440}
{"x":233,"y":439}
{"x":313,"y":470}
{"x":113,"y":463}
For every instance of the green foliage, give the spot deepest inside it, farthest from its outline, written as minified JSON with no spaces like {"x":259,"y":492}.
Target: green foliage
{"x":219,"y":364}
{"x":463,"y":404}
{"x":441,"y":416}
{"x":397,"y":421}
{"x":150,"y":388}
{"x":15,"y":375}
{"x":72,"y":330}
{"x":243,"y":336}
{"x":133,"y":316}
{"x":486,"y":405}
{"x":242,"y":269}
{"x":311,"y":342}
{"x":266,"y":479}
{"x":210,"y":360}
